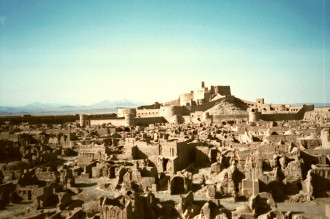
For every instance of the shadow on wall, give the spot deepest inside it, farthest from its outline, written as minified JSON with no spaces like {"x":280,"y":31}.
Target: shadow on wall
{"x":138,"y":154}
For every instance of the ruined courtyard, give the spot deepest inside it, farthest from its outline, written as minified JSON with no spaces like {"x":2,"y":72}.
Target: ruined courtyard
{"x":207,"y":154}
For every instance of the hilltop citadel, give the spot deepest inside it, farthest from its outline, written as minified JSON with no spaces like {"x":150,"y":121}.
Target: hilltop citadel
{"x":211,"y":104}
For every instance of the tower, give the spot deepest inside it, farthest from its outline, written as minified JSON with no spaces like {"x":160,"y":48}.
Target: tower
{"x":129,"y":119}
{"x":254,"y":115}
{"x":82,"y":120}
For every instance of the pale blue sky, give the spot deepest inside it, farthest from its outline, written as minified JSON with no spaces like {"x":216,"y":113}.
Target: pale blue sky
{"x":82,"y":52}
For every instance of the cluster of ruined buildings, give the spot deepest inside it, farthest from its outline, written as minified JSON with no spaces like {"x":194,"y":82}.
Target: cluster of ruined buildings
{"x":181,"y":159}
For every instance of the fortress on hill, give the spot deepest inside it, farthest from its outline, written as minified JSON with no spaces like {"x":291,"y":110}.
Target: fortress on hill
{"x":212,"y":104}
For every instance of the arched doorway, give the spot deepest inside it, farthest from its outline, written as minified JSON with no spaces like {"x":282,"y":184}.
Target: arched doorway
{"x":177,"y":185}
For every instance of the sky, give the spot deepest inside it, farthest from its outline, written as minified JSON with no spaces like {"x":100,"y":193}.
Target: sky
{"x":83,"y":52}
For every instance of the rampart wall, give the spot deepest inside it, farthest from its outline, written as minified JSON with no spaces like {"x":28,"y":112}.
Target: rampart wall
{"x":60,"y":119}
{"x":121,"y":121}
{"x":147,"y":112}
{"x":114,"y":121}
{"x":271,"y":108}
{"x":101,"y":116}
{"x":322,"y":109}
{"x":287,"y":116}
{"x":149,"y":120}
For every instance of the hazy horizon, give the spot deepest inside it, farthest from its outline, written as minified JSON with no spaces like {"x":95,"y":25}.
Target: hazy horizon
{"x":140,"y":103}
{"x":84,"y":52}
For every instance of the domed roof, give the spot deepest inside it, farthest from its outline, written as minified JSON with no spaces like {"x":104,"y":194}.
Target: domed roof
{"x":289,"y":132}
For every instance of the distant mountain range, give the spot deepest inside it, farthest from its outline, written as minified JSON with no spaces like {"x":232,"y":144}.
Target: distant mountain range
{"x":37,"y":108}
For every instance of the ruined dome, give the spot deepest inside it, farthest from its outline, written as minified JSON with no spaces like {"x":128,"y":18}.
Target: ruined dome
{"x":289,"y":132}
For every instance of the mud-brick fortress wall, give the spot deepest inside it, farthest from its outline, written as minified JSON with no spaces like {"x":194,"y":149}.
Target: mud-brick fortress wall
{"x":149,"y":120}
{"x":147,"y":112}
{"x":121,"y":121}
{"x":113,"y":121}
{"x":287,"y":116}
{"x":60,"y":119}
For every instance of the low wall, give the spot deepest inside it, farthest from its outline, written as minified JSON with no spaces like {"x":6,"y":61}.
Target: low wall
{"x":121,"y":121}
{"x":114,"y":121}
{"x":40,"y":119}
{"x":149,"y":120}
{"x":287,"y":116}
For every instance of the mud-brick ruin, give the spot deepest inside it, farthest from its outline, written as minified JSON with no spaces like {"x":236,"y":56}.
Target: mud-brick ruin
{"x":207,"y":154}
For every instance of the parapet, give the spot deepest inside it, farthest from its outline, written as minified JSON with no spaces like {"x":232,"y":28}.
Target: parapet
{"x":123,"y":112}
